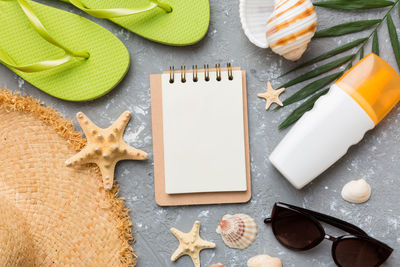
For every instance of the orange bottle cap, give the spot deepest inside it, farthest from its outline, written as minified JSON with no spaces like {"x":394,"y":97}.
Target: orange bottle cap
{"x":374,"y":85}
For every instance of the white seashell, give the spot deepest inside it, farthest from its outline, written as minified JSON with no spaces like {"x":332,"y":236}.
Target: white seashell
{"x":253,"y":16}
{"x":237,"y":231}
{"x":357,"y":191}
{"x":264,"y":261}
{"x":291,"y":27}
{"x":217,"y":265}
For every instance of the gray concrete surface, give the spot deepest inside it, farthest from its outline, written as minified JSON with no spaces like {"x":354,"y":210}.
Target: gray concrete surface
{"x":376,"y":158}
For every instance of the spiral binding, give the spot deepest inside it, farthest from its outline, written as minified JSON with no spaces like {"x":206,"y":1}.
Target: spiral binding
{"x":195,"y":76}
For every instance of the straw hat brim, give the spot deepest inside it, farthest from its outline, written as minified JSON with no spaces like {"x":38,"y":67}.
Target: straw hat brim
{"x":65,"y":215}
{"x":15,"y":240}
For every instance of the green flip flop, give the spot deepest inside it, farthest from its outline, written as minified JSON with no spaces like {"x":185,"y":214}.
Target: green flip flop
{"x":64,"y":55}
{"x":171,"y":22}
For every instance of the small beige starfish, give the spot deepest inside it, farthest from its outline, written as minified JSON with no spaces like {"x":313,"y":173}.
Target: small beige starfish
{"x":272,"y":96}
{"x":190,"y":244}
{"x":105,"y":147}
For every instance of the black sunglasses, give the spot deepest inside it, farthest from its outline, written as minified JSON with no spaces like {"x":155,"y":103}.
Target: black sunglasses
{"x":298,"y":229}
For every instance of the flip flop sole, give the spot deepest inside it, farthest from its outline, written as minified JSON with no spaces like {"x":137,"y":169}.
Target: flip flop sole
{"x":185,"y":25}
{"x":79,"y":80}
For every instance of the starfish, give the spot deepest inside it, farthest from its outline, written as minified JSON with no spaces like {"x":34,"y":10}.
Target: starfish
{"x":105,"y":147}
{"x":272,"y":96}
{"x":190,"y":244}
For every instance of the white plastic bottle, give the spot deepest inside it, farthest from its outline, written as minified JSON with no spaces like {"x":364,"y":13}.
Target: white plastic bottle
{"x":355,"y":104}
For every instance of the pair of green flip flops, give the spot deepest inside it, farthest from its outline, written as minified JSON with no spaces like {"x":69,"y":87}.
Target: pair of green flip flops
{"x":72,"y":58}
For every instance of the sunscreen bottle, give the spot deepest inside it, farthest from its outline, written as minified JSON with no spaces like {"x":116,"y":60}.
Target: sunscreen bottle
{"x":357,"y":102}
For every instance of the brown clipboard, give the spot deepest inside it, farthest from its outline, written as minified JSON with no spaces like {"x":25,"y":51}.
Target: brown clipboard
{"x":164,"y":199}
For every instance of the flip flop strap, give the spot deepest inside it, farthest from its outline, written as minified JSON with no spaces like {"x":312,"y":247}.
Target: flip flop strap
{"x":34,"y":67}
{"x":119,"y":12}
{"x":41,"y":30}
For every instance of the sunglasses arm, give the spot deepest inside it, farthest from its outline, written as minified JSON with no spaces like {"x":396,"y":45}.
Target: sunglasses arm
{"x":348,"y":227}
{"x":345,"y":226}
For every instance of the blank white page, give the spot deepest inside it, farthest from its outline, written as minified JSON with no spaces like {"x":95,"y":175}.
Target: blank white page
{"x":203,"y":124}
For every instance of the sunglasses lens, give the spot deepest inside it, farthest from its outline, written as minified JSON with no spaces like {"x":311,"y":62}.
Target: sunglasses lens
{"x":295,"y":230}
{"x":354,"y":252}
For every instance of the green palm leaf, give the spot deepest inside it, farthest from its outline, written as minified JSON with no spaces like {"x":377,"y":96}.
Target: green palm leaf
{"x":303,"y":108}
{"x":394,"y":39}
{"x":311,"y":89}
{"x":354,"y":4}
{"x":329,"y":54}
{"x":320,"y":70}
{"x":375,"y":44}
{"x":346,"y":28}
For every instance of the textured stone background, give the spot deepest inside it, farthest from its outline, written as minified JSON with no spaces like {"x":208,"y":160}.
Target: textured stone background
{"x":376,"y":158}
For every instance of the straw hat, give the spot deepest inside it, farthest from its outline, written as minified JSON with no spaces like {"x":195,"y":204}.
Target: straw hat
{"x":51,"y":214}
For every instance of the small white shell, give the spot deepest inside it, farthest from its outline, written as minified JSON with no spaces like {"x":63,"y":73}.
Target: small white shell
{"x":253,"y":16}
{"x":217,"y":265}
{"x":237,"y":231}
{"x":291,"y":27}
{"x":357,"y":191}
{"x":264,"y":261}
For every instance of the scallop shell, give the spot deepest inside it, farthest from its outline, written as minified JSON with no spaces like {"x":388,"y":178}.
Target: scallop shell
{"x":237,"y":231}
{"x":253,"y":16}
{"x":264,"y":261}
{"x":291,"y":27}
{"x":357,"y":191}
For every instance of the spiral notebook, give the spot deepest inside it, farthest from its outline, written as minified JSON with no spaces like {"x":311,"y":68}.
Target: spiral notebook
{"x":200,"y":136}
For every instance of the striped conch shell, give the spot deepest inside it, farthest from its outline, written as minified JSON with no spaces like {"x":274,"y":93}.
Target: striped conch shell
{"x":291,"y":27}
{"x":237,"y":231}
{"x":264,"y":261}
